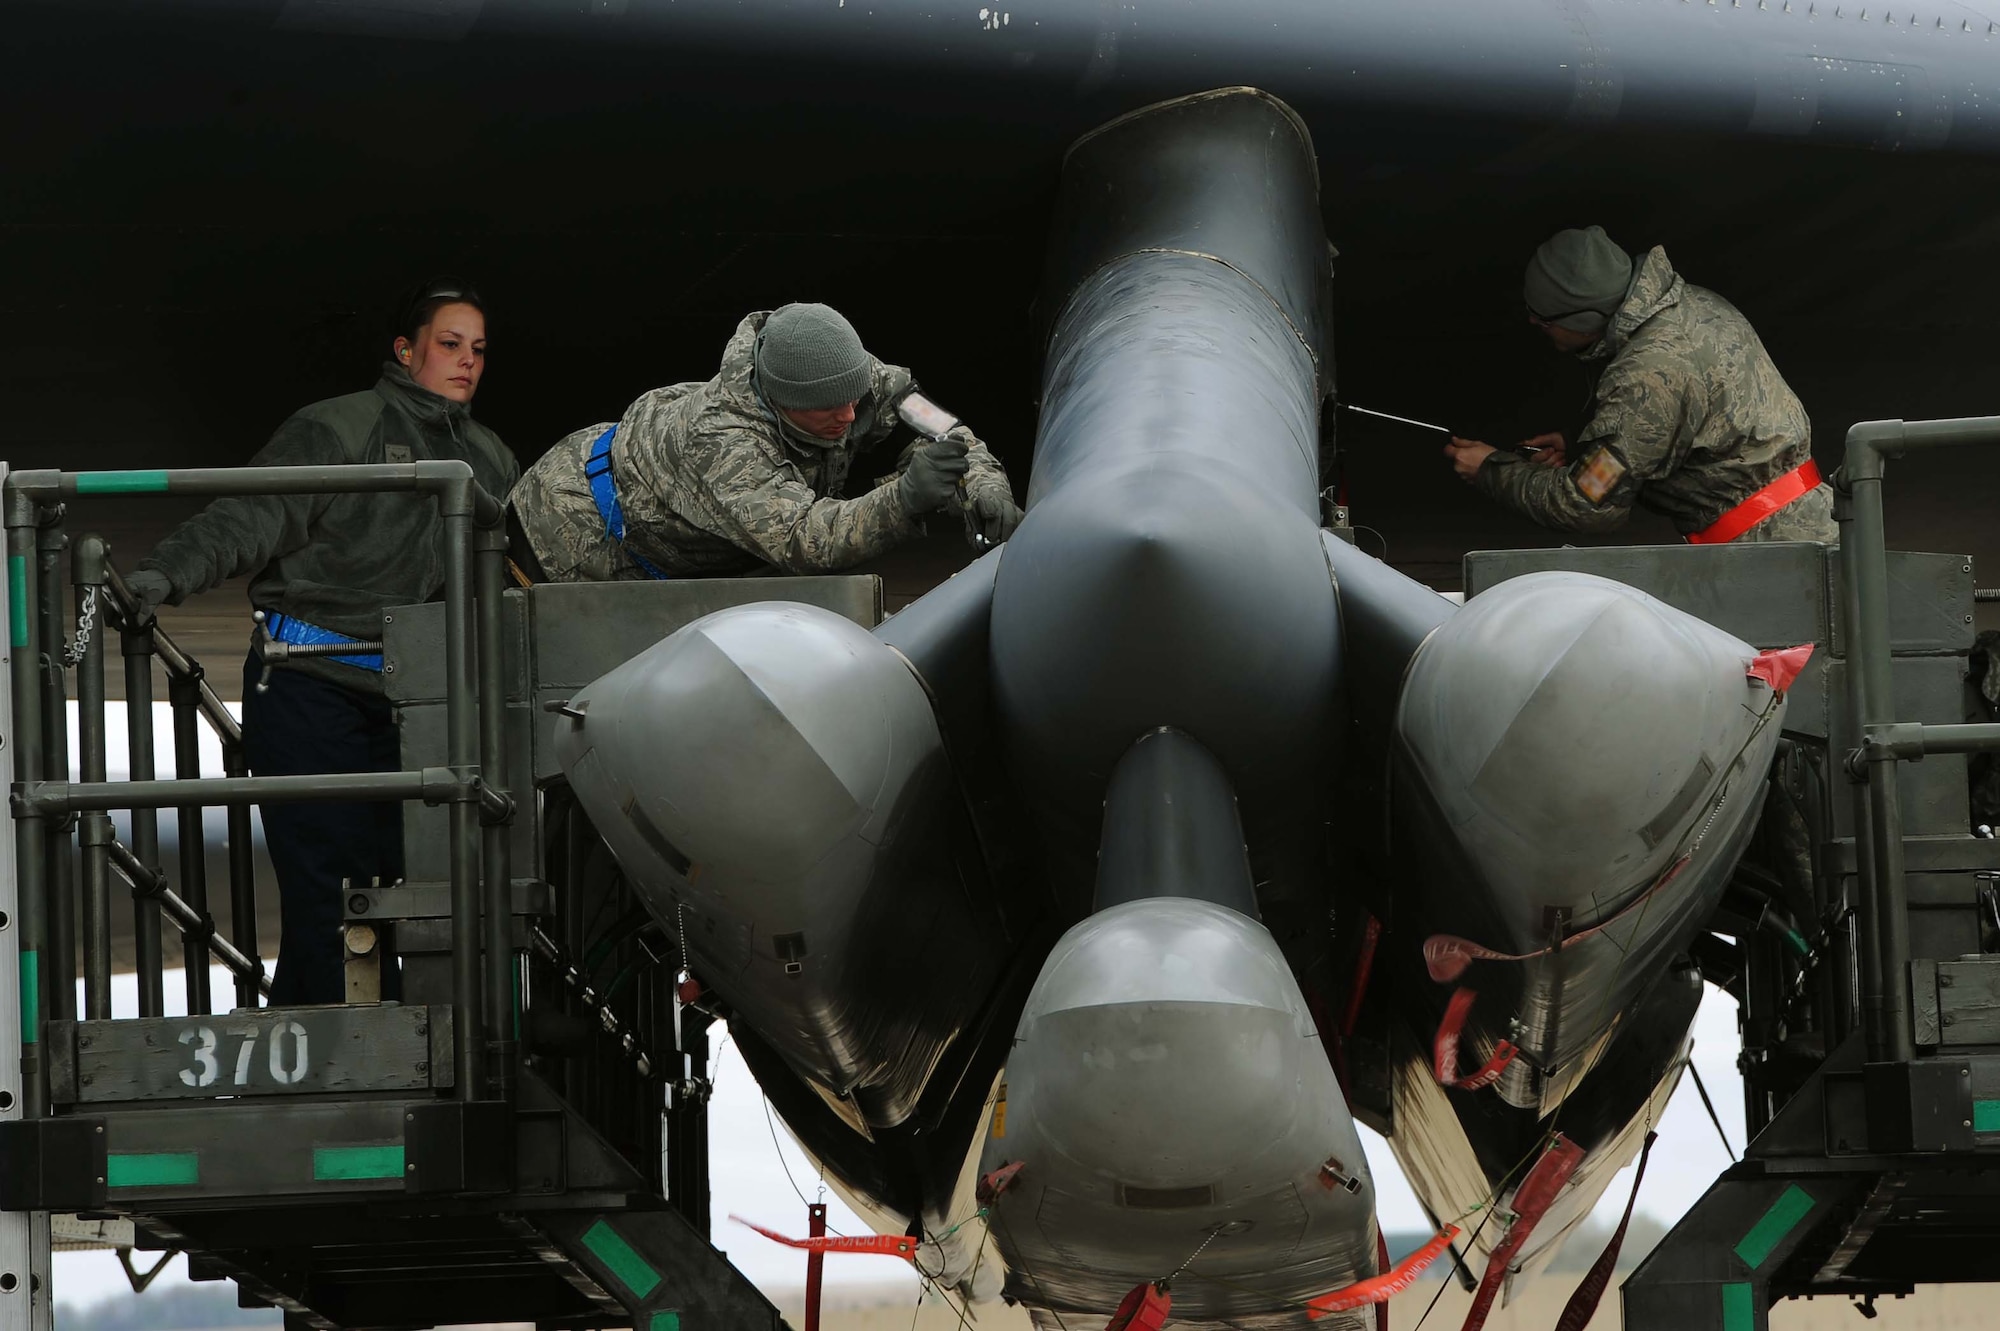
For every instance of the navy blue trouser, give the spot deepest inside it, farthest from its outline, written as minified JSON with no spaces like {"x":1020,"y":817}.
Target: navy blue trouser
{"x":306,"y":726}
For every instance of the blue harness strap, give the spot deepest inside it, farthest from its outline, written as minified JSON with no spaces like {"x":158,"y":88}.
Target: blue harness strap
{"x":597,"y":470}
{"x":286,"y":628}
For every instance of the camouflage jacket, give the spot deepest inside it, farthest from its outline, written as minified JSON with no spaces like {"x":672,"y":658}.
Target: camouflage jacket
{"x":1689,"y":419}
{"x":712,"y":483}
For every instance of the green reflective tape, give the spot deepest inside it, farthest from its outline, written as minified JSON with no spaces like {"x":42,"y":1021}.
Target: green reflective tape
{"x":1986,"y":1115}
{"x":175,"y":1169}
{"x":31,"y":998}
{"x":121,"y":482}
{"x":1739,"y":1307}
{"x":610,"y":1247}
{"x":1798,"y":942}
{"x":1780,"y":1220}
{"x":341,"y":1164}
{"x":17,"y":600}
{"x":666,"y":1321}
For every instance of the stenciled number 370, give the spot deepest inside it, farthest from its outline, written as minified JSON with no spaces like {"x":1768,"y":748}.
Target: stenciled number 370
{"x":287,"y":1066}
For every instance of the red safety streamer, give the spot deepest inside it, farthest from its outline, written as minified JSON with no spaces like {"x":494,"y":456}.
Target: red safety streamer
{"x":1380,"y":1289}
{"x":1582,"y":1305}
{"x":886,"y":1245}
{"x":1531,"y":1202}
{"x":1444,"y":1050}
{"x":1446,"y":956}
{"x":995,"y":1182}
{"x":1778,"y":667}
{"x":1144,"y":1309}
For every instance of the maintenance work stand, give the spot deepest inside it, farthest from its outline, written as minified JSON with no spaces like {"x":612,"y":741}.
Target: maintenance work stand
{"x":523,"y":1138}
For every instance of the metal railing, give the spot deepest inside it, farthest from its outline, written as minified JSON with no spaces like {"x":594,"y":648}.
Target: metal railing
{"x":1886,"y":742}
{"x":53,"y":813}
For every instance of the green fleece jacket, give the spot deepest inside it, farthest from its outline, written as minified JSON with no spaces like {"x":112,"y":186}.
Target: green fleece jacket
{"x":339,"y":561}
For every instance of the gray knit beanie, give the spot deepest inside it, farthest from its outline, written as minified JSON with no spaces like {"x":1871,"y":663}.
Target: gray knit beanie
{"x":1577,"y":279}
{"x":809,"y":358}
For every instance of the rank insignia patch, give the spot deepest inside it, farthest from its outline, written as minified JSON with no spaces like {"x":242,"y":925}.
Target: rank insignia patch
{"x":1598,"y":472}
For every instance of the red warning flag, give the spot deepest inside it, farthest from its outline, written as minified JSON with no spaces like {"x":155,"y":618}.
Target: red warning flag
{"x":1778,"y":667}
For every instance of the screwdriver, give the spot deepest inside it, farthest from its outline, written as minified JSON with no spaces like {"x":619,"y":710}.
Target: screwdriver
{"x":1426,"y":425}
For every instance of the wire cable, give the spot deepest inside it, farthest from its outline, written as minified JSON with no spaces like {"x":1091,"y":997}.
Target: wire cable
{"x":1709,"y":1105}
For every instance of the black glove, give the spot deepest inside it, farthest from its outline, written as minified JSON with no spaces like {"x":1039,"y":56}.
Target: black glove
{"x":997,"y":513}
{"x":930,"y":482}
{"x":149,"y":591}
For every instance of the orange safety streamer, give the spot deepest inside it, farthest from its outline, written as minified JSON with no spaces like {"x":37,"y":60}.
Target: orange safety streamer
{"x":887,"y":1245}
{"x":1379,"y":1289}
{"x":1444,"y":1050}
{"x":1532,"y":1200}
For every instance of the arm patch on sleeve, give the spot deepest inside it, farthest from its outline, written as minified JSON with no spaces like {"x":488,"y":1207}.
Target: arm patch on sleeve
{"x":1598,"y":473}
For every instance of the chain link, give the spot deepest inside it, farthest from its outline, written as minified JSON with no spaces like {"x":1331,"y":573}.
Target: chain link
{"x":86,"y":620}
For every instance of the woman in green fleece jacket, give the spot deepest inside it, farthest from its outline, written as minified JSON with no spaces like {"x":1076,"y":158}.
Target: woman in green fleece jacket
{"x":324,"y":568}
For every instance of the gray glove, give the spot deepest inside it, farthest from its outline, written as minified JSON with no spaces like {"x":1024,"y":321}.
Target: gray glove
{"x":996,"y":512}
{"x":150,"y":590}
{"x":930,"y":482}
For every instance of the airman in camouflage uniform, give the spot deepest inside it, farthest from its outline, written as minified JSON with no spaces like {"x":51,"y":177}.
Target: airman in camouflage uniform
{"x":713,"y":479}
{"x":1690,"y":417}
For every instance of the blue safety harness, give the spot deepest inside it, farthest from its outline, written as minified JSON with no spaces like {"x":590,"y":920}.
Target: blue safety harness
{"x":287,"y":628}
{"x":597,"y":470}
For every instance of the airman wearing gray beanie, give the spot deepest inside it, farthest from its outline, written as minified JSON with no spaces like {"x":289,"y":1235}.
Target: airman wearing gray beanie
{"x":810,"y":358}
{"x":1577,"y":280}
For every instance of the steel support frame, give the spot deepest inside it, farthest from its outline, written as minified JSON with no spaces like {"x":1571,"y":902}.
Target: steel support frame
{"x":43,"y":796}
{"x":1718,"y":1268}
{"x":27,"y":1297}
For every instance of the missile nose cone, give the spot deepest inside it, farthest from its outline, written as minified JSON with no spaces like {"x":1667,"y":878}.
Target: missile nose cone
{"x":761,"y":707}
{"x":1570,"y":729}
{"x":1165,"y":1045}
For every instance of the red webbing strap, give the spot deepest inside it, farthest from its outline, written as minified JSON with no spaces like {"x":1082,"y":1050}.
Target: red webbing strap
{"x":1444,"y":1050}
{"x":1582,"y":1305}
{"x":1378,"y":1290}
{"x":887,"y":1245}
{"x":1794,"y":483}
{"x":1532,"y":1200}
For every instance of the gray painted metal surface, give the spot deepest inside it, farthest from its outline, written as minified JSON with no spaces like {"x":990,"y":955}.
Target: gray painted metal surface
{"x":1168,"y":1095}
{"x":1580,"y":767}
{"x":774,"y":773}
{"x":1171,"y":830}
{"x":289,"y":1051}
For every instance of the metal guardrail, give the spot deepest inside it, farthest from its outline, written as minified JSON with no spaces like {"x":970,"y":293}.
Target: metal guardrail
{"x":1885,"y":742}
{"x":55,"y":912}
